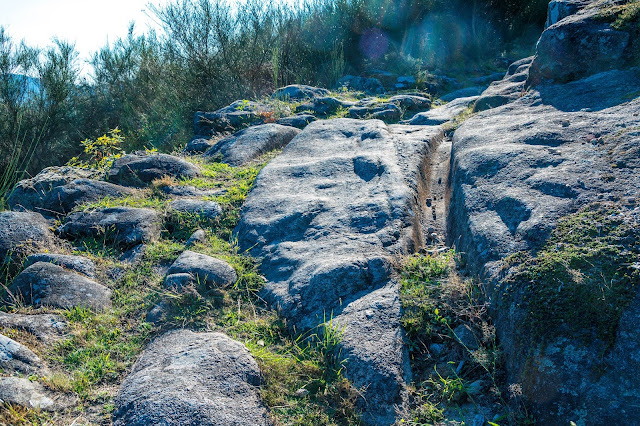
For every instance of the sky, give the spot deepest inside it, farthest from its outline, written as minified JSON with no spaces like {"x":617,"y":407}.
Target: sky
{"x":88,"y":23}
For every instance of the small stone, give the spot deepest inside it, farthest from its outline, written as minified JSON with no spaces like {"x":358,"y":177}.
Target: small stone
{"x":158,"y":314}
{"x":205,"y":269}
{"x":261,"y":342}
{"x":301,"y":393}
{"x":178,"y":281}
{"x":200,"y":236}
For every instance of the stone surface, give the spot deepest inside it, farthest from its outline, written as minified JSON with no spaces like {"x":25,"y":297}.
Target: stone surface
{"x":178,"y":281}
{"x":299,"y":121}
{"x":371,"y":86}
{"x":29,"y":394}
{"x":411,"y":103}
{"x":140,"y":169}
{"x":510,"y":88}
{"x":46,"y":284}
{"x":326,"y":217}
{"x":443,"y":114}
{"x":324,"y":107}
{"x":198,"y":145}
{"x":124,"y":226}
{"x":518,"y":169}
{"x":386,"y":111}
{"x":46,"y":327}
{"x":236,"y":116}
{"x":464,"y":93}
{"x":205,"y":269}
{"x":17,"y":358}
{"x":560,"y":9}
{"x":250,"y":143}
{"x":203,"y":208}
{"x":200,"y":236}
{"x":21,"y":233}
{"x":185,"y":378}
{"x":78,"y":264}
{"x":57,"y":190}
{"x":580,"y":45}
{"x":299,"y":92}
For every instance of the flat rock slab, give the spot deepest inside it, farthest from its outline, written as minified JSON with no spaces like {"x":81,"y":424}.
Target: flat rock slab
{"x":41,"y":195}
{"x":17,"y":358}
{"x":46,"y":284}
{"x":78,"y":264}
{"x":205,"y":269}
{"x":186,"y":378}
{"x":443,"y":114}
{"x":46,"y":327}
{"x":327,"y":215}
{"x":21,"y":233}
{"x":28,"y":394}
{"x":207,"y":209}
{"x":140,"y":169}
{"x":124,"y":226}
{"x":299,"y":92}
{"x":250,"y":143}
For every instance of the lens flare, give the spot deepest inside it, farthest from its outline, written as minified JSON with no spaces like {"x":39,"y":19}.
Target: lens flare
{"x":374,"y":43}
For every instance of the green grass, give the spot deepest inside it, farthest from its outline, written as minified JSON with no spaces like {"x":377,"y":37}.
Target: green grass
{"x":102,"y":347}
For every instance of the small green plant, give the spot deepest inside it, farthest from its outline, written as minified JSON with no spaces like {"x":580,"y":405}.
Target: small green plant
{"x":100,"y":153}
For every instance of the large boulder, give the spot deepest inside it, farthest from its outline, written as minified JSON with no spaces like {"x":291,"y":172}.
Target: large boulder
{"x":205,"y":269}
{"x":52,"y":195}
{"x":140,"y":169}
{"x":327,"y":216}
{"x":517,"y":170}
{"x":299,"y":92}
{"x":78,"y":264}
{"x":582,"y":44}
{"x":250,"y":143}
{"x":21,"y":233}
{"x":185,"y":378}
{"x":123,"y":226}
{"x":46,"y":327}
{"x":17,"y":358}
{"x":236,"y":116}
{"x":46,"y":284}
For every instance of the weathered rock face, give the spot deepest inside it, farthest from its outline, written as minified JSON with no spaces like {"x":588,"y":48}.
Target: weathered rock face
{"x":250,"y":143}
{"x":236,"y":116}
{"x":510,"y":88}
{"x":324,"y":107}
{"x":198,"y":145}
{"x":46,"y":327}
{"x":299,"y":92}
{"x":560,"y":9}
{"x":326,"y":216}
{"x":443,"y":114}
{"x":140,"y":169}
{"x":78,"y":264}
{"x":518,"y":169}
{"x":580,"y":45}
{"x":22,"y":232}
{"x":24,"y":392}
{"x":43,"y":195}
{"x":186,"y":378}
{"x":206,"y":209}
{"x":46,"y":284}
{"x":17,"y":358}
{"x":124,"y":226}
{"x":299,"y":121}
{"x":205,"y":269}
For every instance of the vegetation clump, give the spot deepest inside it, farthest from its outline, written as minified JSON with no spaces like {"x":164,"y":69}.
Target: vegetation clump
{"x":583,"y":278}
